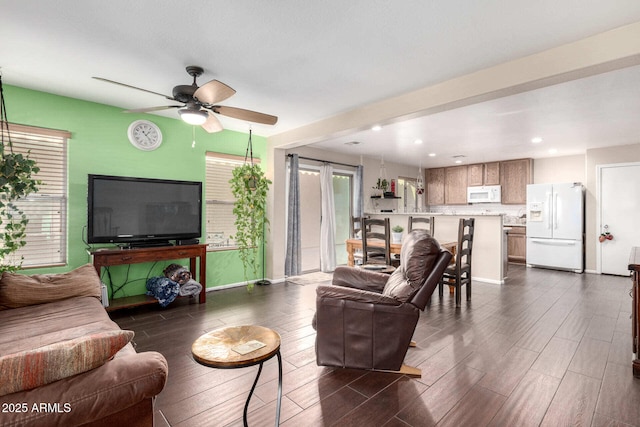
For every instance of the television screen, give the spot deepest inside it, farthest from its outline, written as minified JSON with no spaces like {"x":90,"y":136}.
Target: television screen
{"x":143,"y":210}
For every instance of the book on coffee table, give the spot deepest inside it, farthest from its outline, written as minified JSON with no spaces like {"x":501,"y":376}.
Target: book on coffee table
{"x":248,"y":347}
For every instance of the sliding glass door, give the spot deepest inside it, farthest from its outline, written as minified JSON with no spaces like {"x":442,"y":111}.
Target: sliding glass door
{"x":310,"y":215}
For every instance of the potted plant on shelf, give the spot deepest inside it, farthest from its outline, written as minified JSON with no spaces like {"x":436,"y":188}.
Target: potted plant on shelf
{"x":380,"y":187}
{"x":396,"y":234}
{"x":249,"y":185}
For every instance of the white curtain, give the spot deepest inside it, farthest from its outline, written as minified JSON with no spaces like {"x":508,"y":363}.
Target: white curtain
{"x":328,"y":222}
{"x":358,"y":193}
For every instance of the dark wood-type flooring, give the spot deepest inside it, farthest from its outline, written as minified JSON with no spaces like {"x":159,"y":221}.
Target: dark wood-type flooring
{"x":547,"y":348}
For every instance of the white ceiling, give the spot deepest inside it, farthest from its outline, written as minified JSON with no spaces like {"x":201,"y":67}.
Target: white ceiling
{"x":305,"y":61}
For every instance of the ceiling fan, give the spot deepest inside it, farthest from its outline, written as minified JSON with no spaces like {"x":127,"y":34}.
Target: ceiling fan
{"x":200,"y":103}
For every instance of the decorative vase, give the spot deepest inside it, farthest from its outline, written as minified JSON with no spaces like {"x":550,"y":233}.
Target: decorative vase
{"x":396,"y":237}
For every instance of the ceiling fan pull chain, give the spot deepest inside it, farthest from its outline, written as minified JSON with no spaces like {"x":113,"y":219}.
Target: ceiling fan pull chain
{"x":193,"y":133}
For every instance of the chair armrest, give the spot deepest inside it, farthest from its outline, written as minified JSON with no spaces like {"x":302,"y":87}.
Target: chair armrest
{"x":358,"y":278}
{"x":118,"y":384}
{"x":355,"y":295}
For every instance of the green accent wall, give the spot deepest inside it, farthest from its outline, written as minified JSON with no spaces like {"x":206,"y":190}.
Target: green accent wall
{"x":99,"y":145}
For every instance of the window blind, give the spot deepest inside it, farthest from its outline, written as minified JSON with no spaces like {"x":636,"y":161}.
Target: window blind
{"x":45,"y":209}
{"x":220,"y":220}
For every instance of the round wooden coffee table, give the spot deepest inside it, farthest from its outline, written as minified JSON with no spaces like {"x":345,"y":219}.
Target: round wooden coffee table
{"x":239,"y":347}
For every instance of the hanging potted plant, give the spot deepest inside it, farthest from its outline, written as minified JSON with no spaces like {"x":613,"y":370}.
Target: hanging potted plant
{"x":16,"y":182}
{"x":250,"y":186}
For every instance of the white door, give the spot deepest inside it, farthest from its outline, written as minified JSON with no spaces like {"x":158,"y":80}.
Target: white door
{"x":619,"y":205}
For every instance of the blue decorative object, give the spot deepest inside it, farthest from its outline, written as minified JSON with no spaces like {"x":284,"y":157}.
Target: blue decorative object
{"x":163,"y":289}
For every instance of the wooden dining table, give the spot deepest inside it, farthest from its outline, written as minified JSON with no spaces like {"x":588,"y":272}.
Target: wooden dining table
{"x":356,"y":244}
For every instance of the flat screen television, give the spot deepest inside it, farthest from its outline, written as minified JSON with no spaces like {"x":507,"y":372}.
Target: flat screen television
{"x":143,"y":211}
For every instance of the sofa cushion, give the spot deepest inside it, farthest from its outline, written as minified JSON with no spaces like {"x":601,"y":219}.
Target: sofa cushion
{"x":417,"y":256}
{"x":19,"y":290}
{"x":29,"y":369}
{"x":26,"y":328}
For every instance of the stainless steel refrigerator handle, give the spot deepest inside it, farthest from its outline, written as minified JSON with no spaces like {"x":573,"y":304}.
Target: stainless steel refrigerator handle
{"x":549,"y":211}
{"x":555,"y":211}
{"x":554,"y":242}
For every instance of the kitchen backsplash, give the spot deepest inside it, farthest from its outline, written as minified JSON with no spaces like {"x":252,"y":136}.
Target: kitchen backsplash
{"x":513,"y":213}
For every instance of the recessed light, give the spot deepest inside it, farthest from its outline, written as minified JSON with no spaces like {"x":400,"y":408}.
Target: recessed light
{"x":417,"y":141}
{"x":432,"y":154}
{"x":536,"y":140}
{"x":376,"y":128}
{"x":458,"y":158}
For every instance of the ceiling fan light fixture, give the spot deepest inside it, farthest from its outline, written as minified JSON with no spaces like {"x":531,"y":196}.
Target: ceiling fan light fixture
{"x":193,"y":116}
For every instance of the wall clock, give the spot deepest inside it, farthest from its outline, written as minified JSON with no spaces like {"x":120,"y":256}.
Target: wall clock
{"x":144,"y":135}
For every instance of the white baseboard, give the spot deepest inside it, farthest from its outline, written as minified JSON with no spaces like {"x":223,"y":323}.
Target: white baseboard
{"x":237,"y":285}
{"x":492,"y":281}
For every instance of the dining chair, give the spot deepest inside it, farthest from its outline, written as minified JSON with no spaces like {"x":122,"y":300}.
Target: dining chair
{"x":459,"y":273}
{"x":417,"y":220}
{"x":355,"y":226}
{"x":376,"y":230}
{"x":355,"y":229}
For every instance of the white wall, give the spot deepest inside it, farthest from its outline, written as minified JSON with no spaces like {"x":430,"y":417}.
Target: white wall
{"x":560,"y":169}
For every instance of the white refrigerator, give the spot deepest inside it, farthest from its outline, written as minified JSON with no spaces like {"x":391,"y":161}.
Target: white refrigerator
{"x":555,"y":226}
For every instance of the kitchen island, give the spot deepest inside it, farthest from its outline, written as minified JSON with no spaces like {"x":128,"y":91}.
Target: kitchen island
{"x":489,"y":250}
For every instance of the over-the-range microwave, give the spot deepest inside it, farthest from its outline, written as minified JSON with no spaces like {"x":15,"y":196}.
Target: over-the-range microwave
{"x":484,"y":194}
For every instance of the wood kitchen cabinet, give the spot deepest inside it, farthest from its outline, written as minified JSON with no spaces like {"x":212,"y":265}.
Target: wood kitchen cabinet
{"x":479,"y":174}
{"x":517,"y":245}
{"x":435,"y":186}
{"x":514,"y":177}
{"x":455,"y":185}
{"x":475,"y":175}
{"x":491,"y":173}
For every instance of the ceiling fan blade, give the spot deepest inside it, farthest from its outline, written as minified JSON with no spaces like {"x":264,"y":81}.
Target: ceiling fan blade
{"x":248,"y":115}
{"x":133,"y":87}
{"x":149,"y":109}
{"x":213,"y":92}
{"x":212,"y":125}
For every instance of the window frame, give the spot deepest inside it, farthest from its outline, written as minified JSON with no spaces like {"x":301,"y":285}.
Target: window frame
{"x":212,"y":157}
{"x":53,"y":166}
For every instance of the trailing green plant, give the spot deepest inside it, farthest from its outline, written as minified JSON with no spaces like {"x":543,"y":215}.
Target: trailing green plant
{"x":250,"y":186}
{"x":381,"y":184}
{"x":16,"y":182}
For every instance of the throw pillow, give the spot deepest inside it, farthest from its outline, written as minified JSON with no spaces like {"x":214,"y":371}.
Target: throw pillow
{"x":33,"y":368}
{"x":19,"y":290}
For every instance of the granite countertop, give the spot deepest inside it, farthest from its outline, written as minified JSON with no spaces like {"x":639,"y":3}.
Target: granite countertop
{"x":437,"y":213}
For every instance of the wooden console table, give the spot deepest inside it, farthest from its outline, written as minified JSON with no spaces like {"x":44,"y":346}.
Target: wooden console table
{"x":110,"y":257}
{"x":634,"y":266}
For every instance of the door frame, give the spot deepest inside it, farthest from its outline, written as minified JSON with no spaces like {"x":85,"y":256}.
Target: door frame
{"x":312,"y":167}
{"x":598,"y":225}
